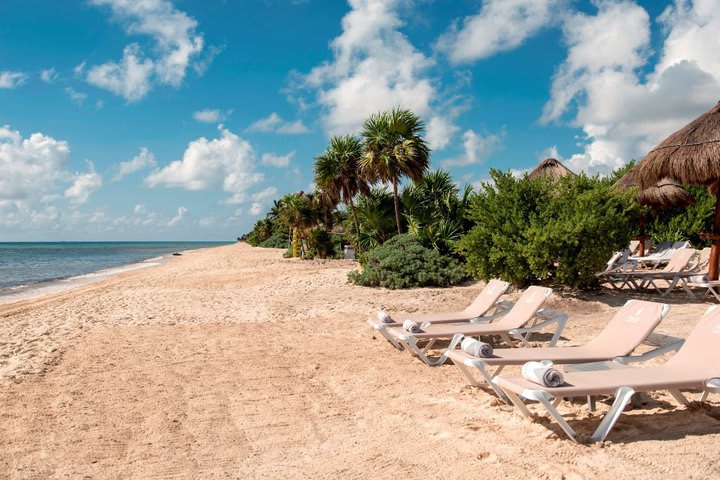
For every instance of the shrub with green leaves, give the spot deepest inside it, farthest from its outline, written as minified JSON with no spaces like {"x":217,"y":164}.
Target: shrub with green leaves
{"x":533,"y":230}
{"x":404,"y":262}
{"x":276,"y":240}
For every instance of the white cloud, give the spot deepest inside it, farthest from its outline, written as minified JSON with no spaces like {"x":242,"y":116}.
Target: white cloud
{"x":49,"y":75}
{"x":274,"y":160}
{"x":85,"y":184}
{"x":500,"y":25}
{"x":227,"y":162}
{"x":374,"y":67}
{"x":256,"y":208}
{"x":266,"y":194}
{"x":209,"y":116}
{"x":275,"y":123}
{"x":75,"y":96}
{"x":130,"y":78}
{"x":440,"y":131}
{"x":622,"y":112}
{"x":12,"y":79}
{"x":267,"y":124}
{"x":477,"y":148}
{"x":144,"y":159}
{"x":31,"y":167}
{"x":181,"y":212}
{"x":35,"y":180}
{"x":175,"y":43}
{"x":293,"y":128}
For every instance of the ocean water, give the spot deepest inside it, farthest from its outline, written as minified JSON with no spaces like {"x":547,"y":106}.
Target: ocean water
{"x":24,"y":265}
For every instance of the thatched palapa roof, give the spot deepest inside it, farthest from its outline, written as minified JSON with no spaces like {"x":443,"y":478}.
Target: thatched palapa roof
{"x":551,"y":168}
{"x":665,"y":194}
{"x":691,"y":155}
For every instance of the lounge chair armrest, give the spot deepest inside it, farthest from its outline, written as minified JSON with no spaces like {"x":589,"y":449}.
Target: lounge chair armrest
{"x":549,"y":317}
{"x":662,"y":343}
{"x":713,"y":384}
{"x":501,"y":308}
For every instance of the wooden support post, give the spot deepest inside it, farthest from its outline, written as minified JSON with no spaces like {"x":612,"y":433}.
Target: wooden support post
{"x":715,"y":250}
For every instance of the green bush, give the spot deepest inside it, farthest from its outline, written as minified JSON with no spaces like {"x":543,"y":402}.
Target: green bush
{"x":276,"y":240}
{"x":403,"y":262}
{"x":527,"y":231}
{"x":323,"y":244}
{"x":685,"y":223}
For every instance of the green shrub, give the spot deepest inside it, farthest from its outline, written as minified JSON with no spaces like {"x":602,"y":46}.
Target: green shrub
{"x":685,"y":223}
{"x":403,"y":262}
{"x":276,"y":240}
{"x":323,"y":244}
{"x":527,"y":231}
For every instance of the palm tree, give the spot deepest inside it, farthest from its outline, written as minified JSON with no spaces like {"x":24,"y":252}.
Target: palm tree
{"x":337,"y":172}
{"x":394,"y":148}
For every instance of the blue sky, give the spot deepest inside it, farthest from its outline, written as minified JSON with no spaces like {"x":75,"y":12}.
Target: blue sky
{"x":163,"y":120}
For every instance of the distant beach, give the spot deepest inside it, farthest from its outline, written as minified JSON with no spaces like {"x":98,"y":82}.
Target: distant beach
{"x":30,"y":269}
{"x":235,"y":362}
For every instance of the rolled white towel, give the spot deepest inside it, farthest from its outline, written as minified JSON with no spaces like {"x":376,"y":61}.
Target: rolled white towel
{"x":542,"y":373}
{"x":384,"y":317}
{"x":411,"y":326}
{"x":476,"y":348}
{"x":698,"y":279}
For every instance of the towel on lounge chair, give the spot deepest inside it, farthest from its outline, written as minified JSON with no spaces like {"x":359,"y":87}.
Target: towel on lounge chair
{"x":385,"y":317}
{"x":411,"y":326}
{"x":542,"y":373}
{"x":476,"y":348}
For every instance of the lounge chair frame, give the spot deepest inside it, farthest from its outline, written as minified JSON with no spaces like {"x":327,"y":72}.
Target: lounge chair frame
{"x":542,"y":319}
{"x":501,"y":308}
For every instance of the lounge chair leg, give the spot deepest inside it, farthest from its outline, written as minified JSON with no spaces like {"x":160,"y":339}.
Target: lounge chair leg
{"x":712,"y":385}
{"x":515,"y":400}
{"x":466,"y":373}
{"x":591,"y":403}
{"x":622,"y":397}
{"x":415,"y":350}
{"x":679,"y":397}
{"x":544,"y":398}
{"x":384,"y":332}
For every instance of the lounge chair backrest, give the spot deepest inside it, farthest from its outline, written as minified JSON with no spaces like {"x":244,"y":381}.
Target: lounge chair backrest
{"x":613,"y":260}
{"x":681,"y":244}
{"x":662,"y":246}
{"x":629,"y":327}
{"x":701,"y":350}
{"x":525,"y":308}
{"x":487,"y":298}
{"x":703,"y":261}
{"x":679,"y":260}
{"x":634,"y":246}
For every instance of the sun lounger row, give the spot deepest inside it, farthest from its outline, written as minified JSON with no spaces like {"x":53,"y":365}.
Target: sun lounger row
{"x":695,"y":366}
{"x":686,"y":269}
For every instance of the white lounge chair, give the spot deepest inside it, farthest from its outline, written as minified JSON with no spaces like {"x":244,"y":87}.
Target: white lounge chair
{"x":695,"y":366}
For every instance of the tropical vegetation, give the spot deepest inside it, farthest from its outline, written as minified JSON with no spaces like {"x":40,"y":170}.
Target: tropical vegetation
{"x":547,"y":229}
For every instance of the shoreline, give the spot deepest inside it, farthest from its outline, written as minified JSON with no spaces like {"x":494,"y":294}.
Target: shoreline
{"x":42,"y":288}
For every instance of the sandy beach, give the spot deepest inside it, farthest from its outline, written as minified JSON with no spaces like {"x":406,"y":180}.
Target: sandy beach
{"x":233,"y":362}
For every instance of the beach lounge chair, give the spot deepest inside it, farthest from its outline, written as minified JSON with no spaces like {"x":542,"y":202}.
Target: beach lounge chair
{"x":478,"y":311}
{"x":635,"y":246}
{"x":630,"y":327}
{"x":695,"y":366}
{"x":639,"y":279}
{"x":617,"y":263}
{"x":527,"y":311}
{"x":662,"y":255}
{"x":696,"y":272}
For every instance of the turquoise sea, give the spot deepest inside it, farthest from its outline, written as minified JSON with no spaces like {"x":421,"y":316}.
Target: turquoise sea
{"x":26,"y":264}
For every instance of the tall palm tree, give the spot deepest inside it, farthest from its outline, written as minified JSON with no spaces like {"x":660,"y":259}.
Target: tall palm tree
{"x":394,"y":148}
{"x":337,"y":172}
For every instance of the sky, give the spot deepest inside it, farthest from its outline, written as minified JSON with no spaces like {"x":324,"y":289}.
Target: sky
{"x":184,"y":119}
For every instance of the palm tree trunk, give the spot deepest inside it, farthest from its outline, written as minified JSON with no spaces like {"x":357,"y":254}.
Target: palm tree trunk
{"x":397,"y":205}
{"x":351,"y":205}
